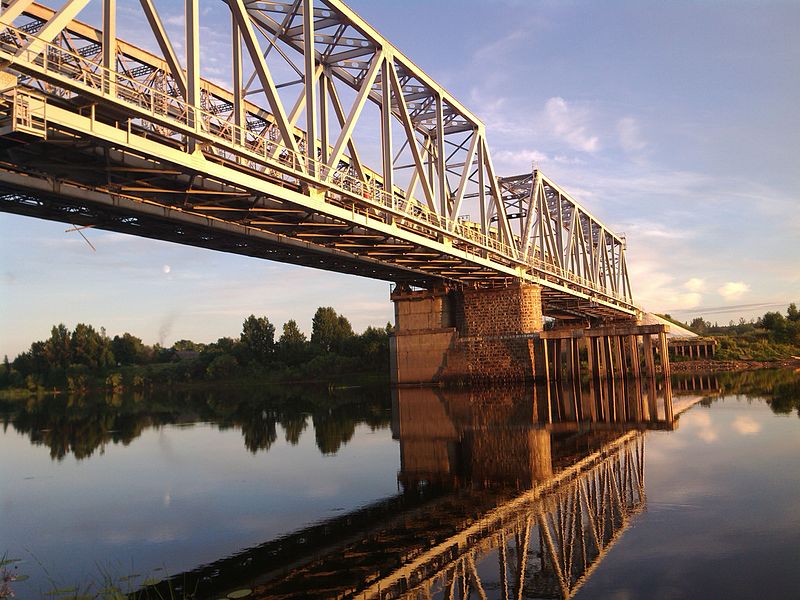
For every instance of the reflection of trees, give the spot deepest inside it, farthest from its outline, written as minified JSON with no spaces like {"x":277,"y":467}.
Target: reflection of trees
{"x":293,"y":425}
{"x":80,"y":424}
{"x":259,"y":434}
{"x":332,"y":431}
{"x":779,"y":387}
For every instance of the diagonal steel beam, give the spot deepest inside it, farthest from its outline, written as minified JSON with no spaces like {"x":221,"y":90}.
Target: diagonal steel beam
{"x":355,"y":111}
{"x":15,"y":8}
{"x":270,"y":91}
{"x":408,"y":126}
{"x":164,"y":44}
{"x":52,"y":28}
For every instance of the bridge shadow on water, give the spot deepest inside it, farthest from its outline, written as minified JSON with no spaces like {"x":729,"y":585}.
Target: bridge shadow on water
{"x":510,"y":492}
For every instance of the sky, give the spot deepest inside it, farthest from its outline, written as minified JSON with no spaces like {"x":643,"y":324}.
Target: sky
{"x":676,"y":123}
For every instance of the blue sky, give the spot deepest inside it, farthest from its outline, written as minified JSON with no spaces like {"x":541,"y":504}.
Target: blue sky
{"x":674,"y":122}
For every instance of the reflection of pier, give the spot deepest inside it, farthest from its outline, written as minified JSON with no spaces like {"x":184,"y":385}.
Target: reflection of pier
{"x":522,"y":491}
{"x":543,"y":543}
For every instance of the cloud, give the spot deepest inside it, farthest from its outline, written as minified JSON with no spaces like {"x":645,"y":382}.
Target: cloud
{"x":746,"y":426}
{"x":733,"y":290}
{"x":630,"y":136}
{"x":569,"y":123}
{"x":658,"y":291}
{"x":705,"y":429}
{"x":695,"y":284}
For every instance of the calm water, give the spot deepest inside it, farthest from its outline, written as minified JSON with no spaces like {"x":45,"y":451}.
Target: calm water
{"x":628,"y":491}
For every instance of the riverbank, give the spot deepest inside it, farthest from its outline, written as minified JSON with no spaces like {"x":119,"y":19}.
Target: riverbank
{"x":716,"y":366}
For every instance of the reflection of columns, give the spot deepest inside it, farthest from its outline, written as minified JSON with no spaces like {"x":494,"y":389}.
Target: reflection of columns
{"x":663,"y":351}
{"x":633,"y":344}
{"x":650,"y":366}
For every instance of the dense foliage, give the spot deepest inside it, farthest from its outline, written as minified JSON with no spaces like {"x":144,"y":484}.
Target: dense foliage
{"x":85,"y":357}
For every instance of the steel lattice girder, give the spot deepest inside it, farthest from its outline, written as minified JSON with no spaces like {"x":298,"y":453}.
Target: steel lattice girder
{"x":341,"y":66}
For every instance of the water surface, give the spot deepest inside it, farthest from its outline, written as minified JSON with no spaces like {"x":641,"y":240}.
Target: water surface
{"x":628,"y":490}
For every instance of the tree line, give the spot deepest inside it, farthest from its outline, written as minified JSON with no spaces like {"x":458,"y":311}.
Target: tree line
{"x":769,"y":337}
{"x":75,"y":358}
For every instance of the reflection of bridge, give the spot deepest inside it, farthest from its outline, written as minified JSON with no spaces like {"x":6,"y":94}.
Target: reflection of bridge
{"x":495,"y":498}
{"x":99,"y":132}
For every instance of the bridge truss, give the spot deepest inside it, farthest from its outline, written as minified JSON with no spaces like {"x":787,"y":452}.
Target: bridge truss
{"x":269,"y":157}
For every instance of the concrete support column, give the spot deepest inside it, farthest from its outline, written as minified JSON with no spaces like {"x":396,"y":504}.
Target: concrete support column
{"x":467,"y":335}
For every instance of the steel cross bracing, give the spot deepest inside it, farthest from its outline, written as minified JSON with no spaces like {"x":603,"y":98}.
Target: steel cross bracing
{"x":273,"y":162}
{"x":546,"y":543}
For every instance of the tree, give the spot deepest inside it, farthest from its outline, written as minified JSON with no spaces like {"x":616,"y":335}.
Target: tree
{"x":329,"y":330}
{"x":292,"y":344}
{"x":699,"y":325}
{"x":772,"y":321}
{"x":90,"y":347}
{"x":58,"y":349}
{"x":792,"y":313}
{"x":187,"y":346}
{"x":129,"y":349}
{"x":258,"y":338}
{"x":6,"y":371}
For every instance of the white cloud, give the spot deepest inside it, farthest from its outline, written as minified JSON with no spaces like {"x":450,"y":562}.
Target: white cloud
{"x":701,"y":421}
{"x":746,"y":426}
{"x":630,"y":136}
{"x":733,"y":290}
{"x":570,"y":123}
{"x":658,"y":291}
{"x":695,"y":284}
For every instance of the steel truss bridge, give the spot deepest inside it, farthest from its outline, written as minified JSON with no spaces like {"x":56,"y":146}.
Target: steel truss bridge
{"x":271,"y":160}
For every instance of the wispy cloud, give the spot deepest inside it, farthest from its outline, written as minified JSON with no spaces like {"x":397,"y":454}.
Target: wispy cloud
{"x":630,"y":135}
{"x":571,"y":123}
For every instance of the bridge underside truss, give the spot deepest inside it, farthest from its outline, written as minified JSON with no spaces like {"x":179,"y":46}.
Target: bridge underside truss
{"x":272,"y":163}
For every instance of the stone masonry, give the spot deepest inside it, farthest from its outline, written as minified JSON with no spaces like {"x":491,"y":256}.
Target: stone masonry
{"x":469,"y":335}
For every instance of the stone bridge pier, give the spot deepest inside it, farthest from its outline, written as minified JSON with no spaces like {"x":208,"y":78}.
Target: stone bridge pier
{"x":497,"y":335}
{"x":457,"y":335}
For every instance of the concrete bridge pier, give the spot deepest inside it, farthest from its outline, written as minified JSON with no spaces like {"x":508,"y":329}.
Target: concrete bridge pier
{"x":446,"y":335}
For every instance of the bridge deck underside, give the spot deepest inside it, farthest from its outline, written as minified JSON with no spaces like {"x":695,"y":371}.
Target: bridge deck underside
{"x":107,"y":186}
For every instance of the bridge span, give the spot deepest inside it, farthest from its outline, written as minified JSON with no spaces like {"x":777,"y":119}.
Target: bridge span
{"x":270,"y":159}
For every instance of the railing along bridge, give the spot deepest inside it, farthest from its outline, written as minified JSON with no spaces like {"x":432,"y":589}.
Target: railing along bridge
{"x":101,"y":132}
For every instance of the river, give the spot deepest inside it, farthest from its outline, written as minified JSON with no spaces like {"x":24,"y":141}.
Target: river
{"x":620,"y":490}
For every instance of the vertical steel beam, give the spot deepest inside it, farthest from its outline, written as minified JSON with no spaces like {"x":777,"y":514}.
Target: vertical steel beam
{"x":192,"y":26}
{"x":110,"y":45}
{"x":323,"y":116}
{"x":440,"y":165}
{"x":239,"y":117}
{"x":386,"y":127}
{"x":310,"y":59}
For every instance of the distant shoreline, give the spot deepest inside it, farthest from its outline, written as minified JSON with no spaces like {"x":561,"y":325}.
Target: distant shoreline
{"x":705,"y":366}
